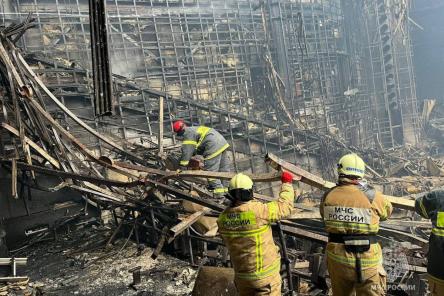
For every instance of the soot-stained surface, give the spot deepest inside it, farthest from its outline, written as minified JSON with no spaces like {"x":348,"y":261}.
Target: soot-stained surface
{"x":79,"y":264}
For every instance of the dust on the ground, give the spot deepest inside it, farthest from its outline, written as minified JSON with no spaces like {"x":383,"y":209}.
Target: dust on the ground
{"x":78,"y":264}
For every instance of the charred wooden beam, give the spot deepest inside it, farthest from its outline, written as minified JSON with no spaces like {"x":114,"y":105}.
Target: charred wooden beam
{"x":302,"y":233}
{"x":306,"y":177}
{"x":186,"y":196}
{"x":259,"y":177}
{"x":75,"y":176}
{"x":33,"y":145}
{"x":160,"y":243}
{"x":403,"y":236}
{"x":318,"y":182}
{"x":174,"y":231}
{"x":163,"y":187}
{"x":74,"y":117}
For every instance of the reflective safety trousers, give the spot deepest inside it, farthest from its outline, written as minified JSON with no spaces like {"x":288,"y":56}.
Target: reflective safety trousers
{"x":202,"y":140}
{"x":353,"y":209}
{"x":344,"y":280}
{"x":436,"y":286}
{"x":431,"y":206}
{"x":269,"y":286}
{"x":369,"y":259}
{"x":246,"y":231}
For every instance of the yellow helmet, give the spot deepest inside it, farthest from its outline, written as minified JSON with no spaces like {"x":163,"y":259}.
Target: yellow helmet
{"x":351,"y":165}
{"x":241,"y":181}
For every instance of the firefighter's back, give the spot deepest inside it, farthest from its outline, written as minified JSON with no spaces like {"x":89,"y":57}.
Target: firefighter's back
{"x":249,"y":240}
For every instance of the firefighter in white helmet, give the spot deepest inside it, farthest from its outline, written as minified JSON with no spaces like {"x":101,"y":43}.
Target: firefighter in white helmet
{"x":245,"y":227}
{"x":351,"y":212}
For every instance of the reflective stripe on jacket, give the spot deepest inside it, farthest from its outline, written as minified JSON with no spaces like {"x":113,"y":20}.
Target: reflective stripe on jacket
{"x":354,"y":209}
{"x":431,"y":206}
{"x":202,"y":140}
{"x":246,"y":231}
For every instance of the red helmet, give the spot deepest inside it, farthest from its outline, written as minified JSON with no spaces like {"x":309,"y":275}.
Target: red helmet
{"x":178,"y":126}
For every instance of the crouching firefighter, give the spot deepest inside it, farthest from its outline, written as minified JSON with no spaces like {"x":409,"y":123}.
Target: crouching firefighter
{"x":245,"y":227}
{"x":210,"y":144}
{"x":431,"y":206}
{"x":351,"y":212}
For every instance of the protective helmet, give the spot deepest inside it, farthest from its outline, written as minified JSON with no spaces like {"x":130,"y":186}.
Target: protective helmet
{"x":241,"y":187}
{"x":351,"y":165}
{"x":179,"y":126}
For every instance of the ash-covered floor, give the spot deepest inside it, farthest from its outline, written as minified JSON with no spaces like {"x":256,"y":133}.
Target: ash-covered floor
{"x":78,"y":264}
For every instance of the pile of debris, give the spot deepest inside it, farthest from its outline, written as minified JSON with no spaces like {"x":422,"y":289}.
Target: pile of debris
{"x":20,"y":288}
{"x":147,"y":202}
{"x":73,"y":265}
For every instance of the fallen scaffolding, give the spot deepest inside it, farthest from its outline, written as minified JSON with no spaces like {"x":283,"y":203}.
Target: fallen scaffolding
{"x":144,"y":194}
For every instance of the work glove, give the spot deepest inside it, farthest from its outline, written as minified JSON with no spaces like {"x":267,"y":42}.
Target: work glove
{"x":286,"y":177}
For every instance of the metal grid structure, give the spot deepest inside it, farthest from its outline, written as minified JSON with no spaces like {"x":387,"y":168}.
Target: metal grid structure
{"x":392,"y":78}
{"x":326,"y":89}
{"x":207,"y":59}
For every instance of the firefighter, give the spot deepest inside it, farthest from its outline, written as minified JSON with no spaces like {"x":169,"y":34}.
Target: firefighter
{"x":210,"y":144}
{"x":245,"y":227}
{"x":431,"y":206}
{"x":351,"y":212}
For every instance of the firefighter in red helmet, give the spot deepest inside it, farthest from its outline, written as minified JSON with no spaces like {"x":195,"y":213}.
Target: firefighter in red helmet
{"x":209,"y":143}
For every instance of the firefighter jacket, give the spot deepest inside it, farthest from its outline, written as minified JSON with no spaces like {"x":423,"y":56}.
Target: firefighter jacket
{"x":431,"y":206}
{"x":354,"y":210}
{"x":246,"y":231}
{"x":201,"y":140}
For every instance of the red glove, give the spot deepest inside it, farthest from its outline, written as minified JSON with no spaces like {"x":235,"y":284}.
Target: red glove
{"x":286,"y":177}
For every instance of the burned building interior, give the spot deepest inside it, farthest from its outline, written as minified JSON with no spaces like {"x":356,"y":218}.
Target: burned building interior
{"x":92,"y":201}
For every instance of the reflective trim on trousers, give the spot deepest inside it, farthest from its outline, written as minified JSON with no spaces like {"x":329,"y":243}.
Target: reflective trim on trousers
{"x":274,"y":268}
{"x":438,"y":231}
{"x":365,"y":262}
{"x":441,"y":281}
